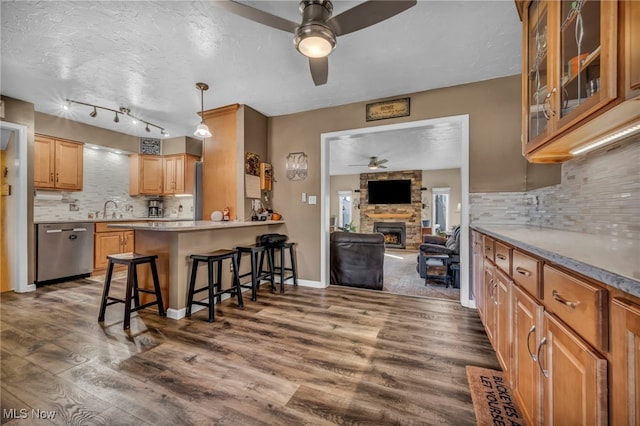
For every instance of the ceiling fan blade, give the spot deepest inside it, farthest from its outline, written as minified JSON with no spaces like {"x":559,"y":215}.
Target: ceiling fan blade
{"x":382,"y":162}
{"x":367,"y":14}
{"x":257,"y":15}
{"x":319,"y":70}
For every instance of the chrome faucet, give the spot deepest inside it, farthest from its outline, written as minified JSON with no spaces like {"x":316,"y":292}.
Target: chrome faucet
{"x":104,"y":211}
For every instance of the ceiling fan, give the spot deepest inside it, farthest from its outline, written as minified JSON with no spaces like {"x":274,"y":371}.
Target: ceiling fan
{"x":316,"y":36}
{"x":374,"y":163}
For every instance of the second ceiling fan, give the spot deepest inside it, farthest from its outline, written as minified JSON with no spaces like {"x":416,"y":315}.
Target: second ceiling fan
{"x":316,"y":36}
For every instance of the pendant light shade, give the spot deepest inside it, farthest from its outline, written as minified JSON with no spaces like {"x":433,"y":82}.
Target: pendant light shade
{"x":202,"y":131}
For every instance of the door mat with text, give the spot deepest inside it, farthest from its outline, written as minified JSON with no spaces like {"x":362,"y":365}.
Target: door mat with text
{"x":493,"y":401}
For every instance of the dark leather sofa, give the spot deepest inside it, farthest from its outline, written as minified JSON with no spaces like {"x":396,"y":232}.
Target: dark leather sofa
{"x":434,"y":245}
{"x":357,"y":260}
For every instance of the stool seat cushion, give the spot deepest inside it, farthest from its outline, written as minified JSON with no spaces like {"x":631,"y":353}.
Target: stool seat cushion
{"x":272,"y":239}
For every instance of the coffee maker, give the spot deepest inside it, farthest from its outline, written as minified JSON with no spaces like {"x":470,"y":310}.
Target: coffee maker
{"x":155,"y":208}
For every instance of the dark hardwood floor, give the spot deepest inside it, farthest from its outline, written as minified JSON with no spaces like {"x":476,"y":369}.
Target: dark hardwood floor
{"x":309,"y":356}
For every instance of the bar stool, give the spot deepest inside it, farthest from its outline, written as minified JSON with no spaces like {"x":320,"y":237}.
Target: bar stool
{"x":132,"y":260}
{"x":214,"y":287}
{"x":256,"y":275}
{"x":282,"y":269}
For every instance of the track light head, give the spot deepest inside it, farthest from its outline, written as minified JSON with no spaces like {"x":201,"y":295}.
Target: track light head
{"x":116,"y":119}
{"x":93,"y":113}
{"x":147,"y":128}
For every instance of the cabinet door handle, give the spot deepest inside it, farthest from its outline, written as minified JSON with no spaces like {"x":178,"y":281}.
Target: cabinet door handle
{"x":533,"y":356}
{"x":51,"y":177}
{"x":493,"y":292}
{"x":545,"y":373}
{"x":501,"y":256}
{"x":556,"y":296}
{"x":57,"y":177}
{"x":523,"y":271}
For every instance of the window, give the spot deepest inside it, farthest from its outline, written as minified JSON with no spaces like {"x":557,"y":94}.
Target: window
{"x":440,"y":209}
{"x":344,"y":206}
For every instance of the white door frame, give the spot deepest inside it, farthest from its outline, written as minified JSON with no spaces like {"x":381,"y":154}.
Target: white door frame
{"x":464,"y":192}
{"x":19,"y":262}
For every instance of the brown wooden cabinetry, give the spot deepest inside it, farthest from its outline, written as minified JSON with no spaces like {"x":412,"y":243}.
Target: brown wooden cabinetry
{"x":575,"y":378}
{"x":106,"y":242}
{"x":574,"y":75}
{"x":58,"y":164}
{"x":625,"y":347}
{"x":177,"y":173}
{"x":477,"y":288}
{"x":145,"y":175}
{"x":571,"y":354}
{"x":527,"y":333}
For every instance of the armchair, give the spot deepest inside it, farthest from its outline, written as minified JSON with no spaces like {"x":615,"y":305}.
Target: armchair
{"x":357,"y":260}
{"x":441,"y":252}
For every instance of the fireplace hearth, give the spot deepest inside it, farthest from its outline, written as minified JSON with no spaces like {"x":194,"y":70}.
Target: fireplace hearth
{"x":395,"y":233}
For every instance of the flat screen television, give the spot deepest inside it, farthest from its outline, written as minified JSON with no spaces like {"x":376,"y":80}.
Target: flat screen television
{"x":389,"y":191}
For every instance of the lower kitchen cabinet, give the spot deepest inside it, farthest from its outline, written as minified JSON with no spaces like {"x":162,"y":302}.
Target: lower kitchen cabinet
{"x":107,"y":242}
{"x":575,"y":378}
{"x":625,"y":343}
{"x":526,"y":335}
{"x":569,"y":345}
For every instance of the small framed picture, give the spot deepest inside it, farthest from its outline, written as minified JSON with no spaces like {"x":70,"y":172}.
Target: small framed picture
{"x":265,"y":176}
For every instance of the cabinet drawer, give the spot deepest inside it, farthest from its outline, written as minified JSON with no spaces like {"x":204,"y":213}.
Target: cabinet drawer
{"x":526,"y":273}
{"x":580,"y":305}
{"x":503,"y":257}
{"x":489,"y":248}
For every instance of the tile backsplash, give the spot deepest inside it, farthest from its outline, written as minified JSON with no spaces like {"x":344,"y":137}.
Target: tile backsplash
{"x":599,"y":193}
{"x":105,"y":177}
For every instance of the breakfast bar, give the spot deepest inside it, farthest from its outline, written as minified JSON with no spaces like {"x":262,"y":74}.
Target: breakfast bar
{"x":174,"y":242}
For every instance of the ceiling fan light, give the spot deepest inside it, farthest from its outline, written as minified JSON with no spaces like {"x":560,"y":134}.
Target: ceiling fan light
{"x":314,"y":40}
{"x":93,"y":113}
{"x":202,"y":131}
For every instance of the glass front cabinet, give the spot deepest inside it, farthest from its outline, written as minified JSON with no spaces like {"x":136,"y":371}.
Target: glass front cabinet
{"x":569,"y":66}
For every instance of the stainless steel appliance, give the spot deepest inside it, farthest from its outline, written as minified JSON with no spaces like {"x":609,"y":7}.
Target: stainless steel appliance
{"x":155,"y":208}
{"x":197,"y":190}
{"x":64,"y":250}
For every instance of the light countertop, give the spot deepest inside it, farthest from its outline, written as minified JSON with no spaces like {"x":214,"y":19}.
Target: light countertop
{"x":190,"y":225}
{"x":613,"y":261}
{"x":121,"y":219}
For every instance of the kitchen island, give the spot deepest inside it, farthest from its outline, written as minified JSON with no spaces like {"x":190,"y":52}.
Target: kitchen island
{"x":174,"y":242}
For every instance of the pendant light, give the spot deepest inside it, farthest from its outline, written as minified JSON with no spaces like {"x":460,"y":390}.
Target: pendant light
{"x":202,"y":130}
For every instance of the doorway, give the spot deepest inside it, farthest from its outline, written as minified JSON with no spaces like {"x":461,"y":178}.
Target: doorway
{"x":13,"y":222}
{"x":463,"y":122}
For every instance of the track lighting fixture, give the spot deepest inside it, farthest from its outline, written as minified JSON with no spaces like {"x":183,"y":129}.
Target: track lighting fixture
{"x":116,"y":118}
{"x":202,"y":130}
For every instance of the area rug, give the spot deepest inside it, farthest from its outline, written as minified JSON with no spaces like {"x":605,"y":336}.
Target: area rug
{"x":493,"y":401}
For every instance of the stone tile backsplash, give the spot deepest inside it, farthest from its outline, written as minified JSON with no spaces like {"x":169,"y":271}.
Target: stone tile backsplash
{"x":599,"y":193}
{"x":106,"y":177}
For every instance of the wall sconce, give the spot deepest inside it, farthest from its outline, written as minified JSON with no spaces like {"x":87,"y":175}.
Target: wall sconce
{"x":296,"y":166}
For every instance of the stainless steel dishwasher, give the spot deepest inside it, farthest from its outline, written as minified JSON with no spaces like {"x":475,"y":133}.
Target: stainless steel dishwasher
{"x":64,"y":250}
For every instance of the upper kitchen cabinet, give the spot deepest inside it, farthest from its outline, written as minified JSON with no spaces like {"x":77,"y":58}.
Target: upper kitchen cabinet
{"x":145,"y":174}
{"x":178,"y":174}
{"x":577,"y":73}
{"x":57,"y":164}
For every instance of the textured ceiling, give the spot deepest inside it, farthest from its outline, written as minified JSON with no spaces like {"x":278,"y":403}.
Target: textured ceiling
{"x":147,"y":56}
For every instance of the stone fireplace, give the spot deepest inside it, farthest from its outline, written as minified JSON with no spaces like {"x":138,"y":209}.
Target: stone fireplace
{"x":409,"y":214}
{"x":395,"y":233}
